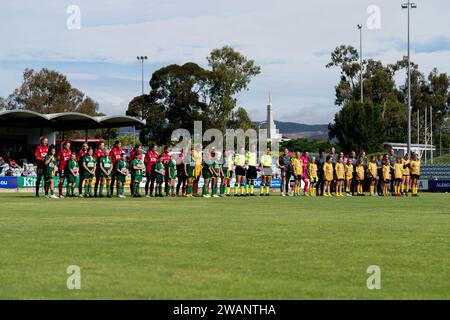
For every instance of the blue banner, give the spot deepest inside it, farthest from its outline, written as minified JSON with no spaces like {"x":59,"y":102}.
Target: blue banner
{"x":439,"y":186}
{"x":8,"y":182}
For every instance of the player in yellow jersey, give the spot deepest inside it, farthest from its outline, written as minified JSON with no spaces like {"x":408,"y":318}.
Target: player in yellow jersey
{"x":360,"y":177}
{"x":328,"y":176}
{"x":340,"y":176}
{"x":373,"y":175}
{"x":239,"y":163}
{"x":251,"y":161}
{"x":406,"y":175}
{"x":398,"y":176}
{"x":386,"y":177}
{"x":297,"y":169}
{"x":414,"y":167}
{"x":349,"y":169}
{"x":197,"y":157}
{"x":313,"y":177}
{"x":266,"y":173}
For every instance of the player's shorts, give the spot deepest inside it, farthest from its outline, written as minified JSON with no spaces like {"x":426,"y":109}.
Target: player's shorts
{"x":206,"y":174}
{"x":87,"y":175}
{"x":313,"y":180}
{"x":173,"y":175}
{"x":267,"y":171}
{"x":374,"y":178}
{"x":251,"y":173}
{"x":121,"y":178}
{"x":240,"y":171}
{"x":159,"y":178}
{"x":387,"y":180}
{"x":190,"y":171}
{"x":62,"y":173}
{"x":398,"y":179}
{"x":297,"y":177}
{"x":137,"y":178}
{"x":150,"y":173}
{"x":103,"y":175}
{"x":285,"y":173}
{"x":415,"y":176}
{"x":405,"y":175}
{"x":226,"y":174}
{"x":71,"y":178}
{"x":214,"y":176}
{"x":198,"y":171}
{"x":180,"y":172}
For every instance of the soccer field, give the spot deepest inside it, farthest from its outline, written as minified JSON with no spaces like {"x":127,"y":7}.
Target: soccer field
{"x":234,"y":248}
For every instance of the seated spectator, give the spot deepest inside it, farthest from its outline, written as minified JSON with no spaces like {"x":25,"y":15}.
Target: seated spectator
{"x":3,"y":165}
{"x":13,"y":164}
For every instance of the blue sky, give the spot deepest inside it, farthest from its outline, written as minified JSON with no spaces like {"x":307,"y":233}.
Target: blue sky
{"x":291,"y":40}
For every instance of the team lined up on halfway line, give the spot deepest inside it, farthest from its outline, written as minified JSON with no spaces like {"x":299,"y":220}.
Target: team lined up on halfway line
{"x":179,"y":175}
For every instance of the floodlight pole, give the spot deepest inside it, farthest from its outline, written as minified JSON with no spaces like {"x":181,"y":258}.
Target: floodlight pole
{"x":409,"y":6}
{"x":361,"y":62}
{"x":140,"y":58}
{"x":431,"y":134}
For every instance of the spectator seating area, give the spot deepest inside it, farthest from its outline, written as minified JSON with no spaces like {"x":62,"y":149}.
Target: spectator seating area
{"x":26,"y":170}
{"x":435,"y":172}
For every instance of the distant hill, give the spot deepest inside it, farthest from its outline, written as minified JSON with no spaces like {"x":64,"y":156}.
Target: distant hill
{"x":293,"y":130}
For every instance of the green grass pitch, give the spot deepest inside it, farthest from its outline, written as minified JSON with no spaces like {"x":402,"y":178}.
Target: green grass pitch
{"x":234,"y":248}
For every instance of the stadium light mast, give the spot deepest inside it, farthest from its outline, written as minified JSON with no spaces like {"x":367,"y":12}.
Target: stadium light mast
{"x":361,"y":62}
{"x":142,"y":58}
{"x":409,"y":5}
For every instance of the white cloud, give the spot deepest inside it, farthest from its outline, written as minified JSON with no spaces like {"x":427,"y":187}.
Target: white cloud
{"x":290,"y":39}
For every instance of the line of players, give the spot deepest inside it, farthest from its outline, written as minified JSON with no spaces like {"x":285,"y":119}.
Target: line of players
{"x":110,"y":168}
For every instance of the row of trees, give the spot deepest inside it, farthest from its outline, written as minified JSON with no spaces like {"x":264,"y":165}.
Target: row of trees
{"x":383,"y":116}
{"x":182,"y":94}
{"x":48,"y":91}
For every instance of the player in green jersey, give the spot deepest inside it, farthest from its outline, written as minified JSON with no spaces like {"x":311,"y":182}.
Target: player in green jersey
{"x":160,"y":173}
{"x":51,"y":163}
{"x":105,"y":172}
{"x":189,"y":167}
{"x":138,"y":167}
{"x":226,"y":173}
{"x":172,"y":177}
{"x":206,"y":173}
{"x":121,"y":173}
{"x":215,"y":173}
{"x":72,"y":174}
{"x":89,"y":166}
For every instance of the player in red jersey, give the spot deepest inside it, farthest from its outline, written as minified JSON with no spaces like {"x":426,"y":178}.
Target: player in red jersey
{"x":151,"y":158}
{"x":137,"y":150}
{"x":166,"y":158}
{"x":80,"y":156}
{"x":116,"y":156}
{"x":98,"y":154}
{"x":41,"y":152}
{"x":63,"y":157}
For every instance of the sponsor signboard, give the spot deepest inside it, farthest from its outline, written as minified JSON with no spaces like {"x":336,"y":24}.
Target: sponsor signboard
{"x":8,"y":182}
{"x":439,"y":186}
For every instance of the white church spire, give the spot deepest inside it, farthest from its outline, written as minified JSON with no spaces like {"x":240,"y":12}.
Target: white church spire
{"x":272,"y":131}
